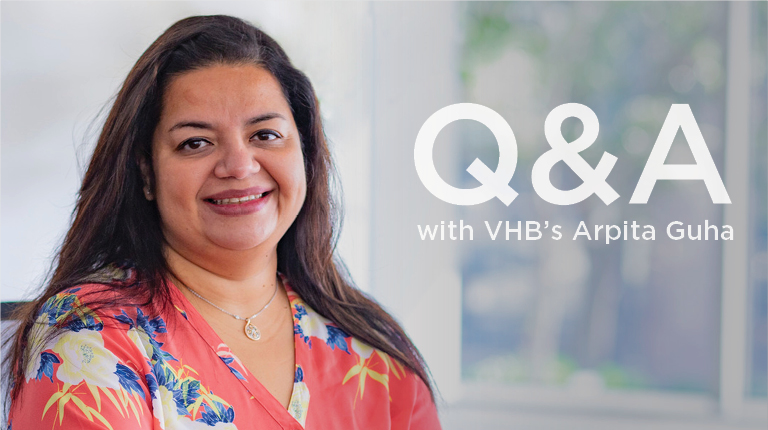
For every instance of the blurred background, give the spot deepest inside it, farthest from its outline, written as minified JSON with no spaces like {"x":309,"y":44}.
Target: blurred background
{"x":518,"y":334}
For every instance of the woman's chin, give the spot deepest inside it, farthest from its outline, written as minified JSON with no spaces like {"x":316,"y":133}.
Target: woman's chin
{"x":240,"y":242}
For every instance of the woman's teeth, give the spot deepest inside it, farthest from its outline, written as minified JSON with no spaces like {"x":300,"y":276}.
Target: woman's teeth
{"x":238,"y":200}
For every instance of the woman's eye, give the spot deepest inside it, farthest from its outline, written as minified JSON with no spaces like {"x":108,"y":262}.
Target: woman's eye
{"x":267,"y":135}
{"x":193,"y":144}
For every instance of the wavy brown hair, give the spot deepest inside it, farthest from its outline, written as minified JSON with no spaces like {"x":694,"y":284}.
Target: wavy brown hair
{"x":113,"y":223}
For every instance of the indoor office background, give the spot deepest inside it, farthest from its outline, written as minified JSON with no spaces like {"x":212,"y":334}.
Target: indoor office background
{"x":518,"y":334}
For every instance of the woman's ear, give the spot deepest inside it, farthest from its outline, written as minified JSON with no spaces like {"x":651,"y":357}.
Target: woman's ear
{"x":146,"y":179}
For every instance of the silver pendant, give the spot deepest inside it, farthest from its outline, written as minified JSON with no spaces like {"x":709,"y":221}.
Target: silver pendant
{"x":252,"y":331}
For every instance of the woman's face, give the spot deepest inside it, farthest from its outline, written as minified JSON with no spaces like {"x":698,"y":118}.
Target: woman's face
{"x":227,"y":159}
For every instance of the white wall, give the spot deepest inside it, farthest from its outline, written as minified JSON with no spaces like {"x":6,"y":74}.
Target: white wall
{"x":61,"y":63}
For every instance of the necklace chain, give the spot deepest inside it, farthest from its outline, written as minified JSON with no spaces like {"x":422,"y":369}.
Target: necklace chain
{"x":238,"y":317}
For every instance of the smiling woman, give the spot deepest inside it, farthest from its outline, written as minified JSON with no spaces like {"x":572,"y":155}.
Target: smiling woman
{"x":197,"y":285}
{"x":226,"y":135}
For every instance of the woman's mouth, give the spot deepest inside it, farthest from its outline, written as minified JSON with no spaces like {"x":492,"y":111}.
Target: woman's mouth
{"x":237,"y":200}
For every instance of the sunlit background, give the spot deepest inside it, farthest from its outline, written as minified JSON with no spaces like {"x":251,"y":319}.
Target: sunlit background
{"x":518,"y":334}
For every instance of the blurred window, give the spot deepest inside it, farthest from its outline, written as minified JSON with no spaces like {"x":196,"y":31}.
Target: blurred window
{"x":631,"y":314}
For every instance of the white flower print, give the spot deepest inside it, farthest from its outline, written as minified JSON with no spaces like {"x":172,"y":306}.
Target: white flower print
{"x":84,"y":358}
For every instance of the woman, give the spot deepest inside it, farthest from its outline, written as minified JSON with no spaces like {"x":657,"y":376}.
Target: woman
{"x":197,"y":285}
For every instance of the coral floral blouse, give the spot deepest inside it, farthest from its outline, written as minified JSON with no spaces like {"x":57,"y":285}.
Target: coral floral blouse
{"x":130,"y":368}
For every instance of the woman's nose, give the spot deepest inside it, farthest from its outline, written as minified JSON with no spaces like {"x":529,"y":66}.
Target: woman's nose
{"x":238,"y":160}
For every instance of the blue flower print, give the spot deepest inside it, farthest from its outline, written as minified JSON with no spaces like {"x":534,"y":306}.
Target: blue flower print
{"x":186,"y":395}
{"x":336,"y":338}
{"x":128,"y":379}
{"x":59,"y":306}
{"x":87,"y":323}
{"x":152,"y":385}
{"x":308,"y":324}
{"x":227,"y":361}
{"x":150,"y":327}
{"x":222,"y":414}
{"x":164,"y":376}
{"x":46,"y":365}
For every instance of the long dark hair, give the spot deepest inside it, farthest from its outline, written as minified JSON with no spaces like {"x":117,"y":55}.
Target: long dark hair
{"x":113,"y":223}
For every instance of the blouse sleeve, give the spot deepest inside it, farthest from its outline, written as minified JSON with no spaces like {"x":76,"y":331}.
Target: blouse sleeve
{"x":412,"y":405}
{"x":91,"y":375}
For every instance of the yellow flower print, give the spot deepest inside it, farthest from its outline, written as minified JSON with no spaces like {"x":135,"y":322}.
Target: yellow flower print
{"x":366,"y":364}
{"x":36,"y":338}
{"x":84,"y":358}
{"x":164,"y":409}
{"x":362,"y":349}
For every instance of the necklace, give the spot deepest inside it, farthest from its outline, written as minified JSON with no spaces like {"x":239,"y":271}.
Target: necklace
{"x":251,"y":330}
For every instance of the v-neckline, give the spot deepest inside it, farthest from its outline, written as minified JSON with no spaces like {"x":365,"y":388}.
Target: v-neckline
{"x":250,"y":383}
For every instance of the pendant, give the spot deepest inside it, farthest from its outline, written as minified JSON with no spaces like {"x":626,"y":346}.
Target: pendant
{"x":252,"y":331}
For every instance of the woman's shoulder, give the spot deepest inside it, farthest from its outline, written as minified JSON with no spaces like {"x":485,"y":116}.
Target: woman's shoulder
{"x":73,"y":309}
{"x":324,"y":335}
{"x":76,"y":343}
{"x":313,"y":329}
{"x":105,"y":305}
{"x":92,"y":317}
{"x":87,"y":306}
{"x":371,"y":376}
{"x":109,"y":291}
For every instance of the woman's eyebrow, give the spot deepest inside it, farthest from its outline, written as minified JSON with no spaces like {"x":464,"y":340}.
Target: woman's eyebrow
{"x":265,"y":117}
{"x":207,"y":126}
